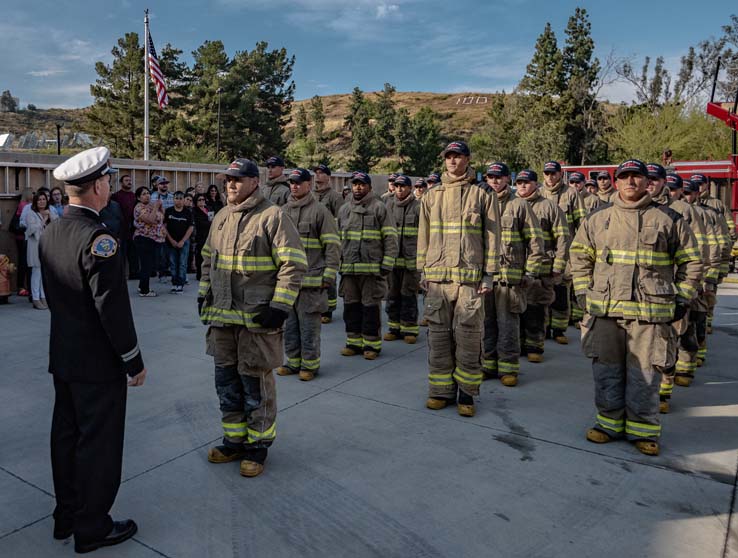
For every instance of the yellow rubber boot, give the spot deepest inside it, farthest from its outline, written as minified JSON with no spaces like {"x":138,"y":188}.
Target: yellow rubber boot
{"x":509,"y":380}
{"x":683,"y":381}
{"x":664,"y":407}
{"x":410,"y":339}
{"x":597,"y":436}
{"x":285,"y":371}
{"x":647,"y":447}
{"x":436,"y":404}
{"x":389,"y":336}
{"x":348,"y":351}
{"x":370,"y":355}
{"x":251,"y":468}
{"x":535,"y":357}
{"x":306,"y":375}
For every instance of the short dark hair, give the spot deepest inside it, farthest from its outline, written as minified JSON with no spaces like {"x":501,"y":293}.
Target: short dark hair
{"x":140,"y":190}
{"x":178,"y":194}
{"x":124,"y":176}
{"x":198,"y":197}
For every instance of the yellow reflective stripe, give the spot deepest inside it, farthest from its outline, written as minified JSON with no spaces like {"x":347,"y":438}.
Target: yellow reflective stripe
{"x":205,"y":251}
{"x":389,"y":230}
{"x":287,"y":254}
{"x":355,"y":341}
{"x":234,"y":317}
{"x":330,"y":273}
{"x":311,"y":242}
{"x":373,"y":344}
{"x":581,"y":283}
{"x":202,"y":288}
{"x":234,"y":429}
{"x":686,"y":291}
{"x":244,"y":263}
{"x":406,"y":263}
{"x":642,"y":429}
{"x":455,"y":227}
{"x":330,"y":238}
{"x":440,"y":379}
{"x":414,"y":329}
{"x":310,"y":364}
{"x":312,"y":281}
{"x":611,"y":424}
{"x":559,"y":264}
{"x":293,"y":362}
{"x":256,"y":436}
{"x":366,"y":234}
{"x":511,"y":237}
{"x":579,"y":248}
{"x":630,"y":309}
{"x":629,"y":257}
{"x":284,"y":296}
{"x":359,"y":267}
{"x":410,"y":231}
{"x":467,"y":377}
{"x":683,"y":256}
{"x":508,"y":366}
{"x":489,"y":364}
{"x":560,"y":231}
{"x":457,"y":274}
{"x":532,"y":232}
{"x":712,"y":273}
{"x":510,"y":274}
{"x":388,"y":261}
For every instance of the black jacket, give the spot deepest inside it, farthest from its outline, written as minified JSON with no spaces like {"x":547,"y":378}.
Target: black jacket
{"x":202,"y":226}
{"x":93,"y":338}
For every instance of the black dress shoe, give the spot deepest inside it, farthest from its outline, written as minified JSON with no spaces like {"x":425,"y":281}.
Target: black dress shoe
{"x":121,"y":531}
{"x":63,"y":530}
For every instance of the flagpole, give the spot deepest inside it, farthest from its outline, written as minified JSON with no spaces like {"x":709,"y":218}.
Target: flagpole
{"x":146,"y":85}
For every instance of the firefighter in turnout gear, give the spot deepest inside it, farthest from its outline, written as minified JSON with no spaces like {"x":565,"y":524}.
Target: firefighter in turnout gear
{"x":522,"y":255}
{"x":540,"y":292}
{"x":277,"y":189}
{"x":590,"y":201}
{"x":404,"y":281}
{"x":368,"y":252}
{"x":605,"y":189}
{"x":333,"y":201}
{"x":571,"y":204}
{"x":319,"y":237}
{"x":253,"y":265}
{"x":636,"y":267}
{"x":458,"y":252}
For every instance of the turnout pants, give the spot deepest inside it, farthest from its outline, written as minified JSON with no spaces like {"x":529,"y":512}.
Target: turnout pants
{"x":362,"y":299}
{"x":455,"y":315}
{"x":245,"y":384}
{"x":502,"y":309}
{"x":560,"y":307}
{"x":533,"y":320}
{"x":628,"y":359}
{"x":86,"y":453}
{"x":302,"y":330}
{"x":402,"y":301}
{"x":332,"y":299}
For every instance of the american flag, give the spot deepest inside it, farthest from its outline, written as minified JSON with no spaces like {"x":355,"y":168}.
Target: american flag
{"x":156,"y":76}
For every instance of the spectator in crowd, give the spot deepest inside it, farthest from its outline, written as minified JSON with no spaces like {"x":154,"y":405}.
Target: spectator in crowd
{"x":188,"y":200}
{"x":346,"y":190}
{"x":112,"y":216}
{"x":57,"y":201}
{"x":203,"y":217}
{"x":190,"y":191}
{"x":214,"y":202}
{"x":126,"y":199}
{"x":147,"y":236}
{"x":178,"y":227}
{"x":188,"y":203}
{"x":163,"y":195}
{"x":28,"y":208}
{"x":200,"y":188}
{"x":38,"y":217}
{"x":19,"y":231}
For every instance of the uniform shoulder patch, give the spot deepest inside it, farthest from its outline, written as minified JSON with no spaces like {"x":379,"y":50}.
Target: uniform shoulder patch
{"x":104,"y":246}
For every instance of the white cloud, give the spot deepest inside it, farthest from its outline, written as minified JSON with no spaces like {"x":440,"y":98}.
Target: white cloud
{"x":386,"y":10}
{"x":47,"y":73}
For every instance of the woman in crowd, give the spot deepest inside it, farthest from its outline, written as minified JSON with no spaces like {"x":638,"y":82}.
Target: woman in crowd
{"x":203,"y":218}
{"x":40,"y":215}
{"x":147,"y":236}
{"x":18,"y":229}
{"x":57,"y":200}
{"x":214,"y":201}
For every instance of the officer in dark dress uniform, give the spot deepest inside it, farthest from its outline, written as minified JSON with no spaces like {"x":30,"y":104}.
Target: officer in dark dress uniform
{"x":93,"y":347}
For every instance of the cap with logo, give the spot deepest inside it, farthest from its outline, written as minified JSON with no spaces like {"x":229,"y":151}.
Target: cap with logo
{"x":361,"y":177}
{"x":459,"y":147}
{"x":420,"y":183}
{"x":498,"y":169}
{"x":392,"y":177}
{"x":527,"y":175}
{"x":632,"y":165}
{"x":240,"y":168}
{"x":299,"y":175}
{"x":699,"y":179}
{"x":674,"y":181}
{"x":86,"y":166}
{"x":603,"y":174}
{"x":403,"y":180}
{"x":552,"y":166}
{"x":322,"y":168}
{"x":576,"y":176}
{"x":690,"y":186}
{"x":275,"y":162}
{"x":590,"y":182}
{"x":655,"y":170}
{"x":433,"y":178}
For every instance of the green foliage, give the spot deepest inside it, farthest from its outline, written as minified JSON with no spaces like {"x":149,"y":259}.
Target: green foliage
{"x":317,"y":113}
{"x":358,"y":102}
{"x":363,"y":142}
{"x":423,"y":149}
{"x":31,"y":107}
{"x":402,"y":134}
{"x":301,"y":123}
{"x":384,"y":115}
{"x":8,"y":103}
{"x":545,"y":72}
{"x":499,"y":137}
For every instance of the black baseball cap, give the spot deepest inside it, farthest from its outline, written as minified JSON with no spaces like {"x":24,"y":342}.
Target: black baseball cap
{"x":498,"y":169}
{"x":323,"y":168}
{"x":240,"y":168}
{"x":459,"y":147}
{"x":691,"y":186}
{"x":402,"y":180}
{"x":590,"y":182}
{"x":275,"y":162}
{"x":527,"y":175}
{"x":674,"y":181}
{"x":552,"y":166}
{"x":433,"y":178}
{"x":300,"y":175}
{"x":362,"y":177}
{"x":420,"y":183}
{"x":632,"y":165}
{"x":655,"y":170}
{"x":603,"y":174}
{"x":699,"y":179}
{"x":392,"y":177}
{"x":576,"y":176}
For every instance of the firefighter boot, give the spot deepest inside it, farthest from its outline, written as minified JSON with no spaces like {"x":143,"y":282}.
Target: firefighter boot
{"x":410,"y":339}
{"x":647,"y":447}
{"x":560,"y":337}
{"x":437,"y":403}
{"x":285,"y":371}
{"x":392,"y":335}
{"x":224,"y":454}
{"x":535,"y":357}
{"x":326,"y":318}
{"x":253,"y":465}
{"x":465,"y":406}
{"x":307,"y":375}
{"x":370,"y":355}
{"x":664,"y":406}
{"x":684,"y":381}
{"x":597,"y":436}
{"x":509,"y":380}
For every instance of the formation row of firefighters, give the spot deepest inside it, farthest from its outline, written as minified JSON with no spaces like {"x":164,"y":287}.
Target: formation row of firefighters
{"x":635,"y":268}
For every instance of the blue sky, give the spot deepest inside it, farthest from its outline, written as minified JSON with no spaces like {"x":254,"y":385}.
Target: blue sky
{"x":49,"y":48}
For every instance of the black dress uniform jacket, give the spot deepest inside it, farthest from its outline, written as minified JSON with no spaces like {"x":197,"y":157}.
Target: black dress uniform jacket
{"x":93,"y":338}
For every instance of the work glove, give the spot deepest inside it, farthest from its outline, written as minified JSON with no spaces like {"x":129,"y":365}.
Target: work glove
{"x":680,"y":311}
{"x":385,"y":271}
{"x":200,"y":302}
{"x":271,"y":318}
{"x":582,"y":302}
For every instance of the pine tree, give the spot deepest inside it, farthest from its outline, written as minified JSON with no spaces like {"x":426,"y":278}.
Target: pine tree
{"x":544,"y":74}
{"x":358,"y":102}
{"x":363,"y":142}
{"x":8,"y":103}
{"x":317,"y":114}
{"x":425,"y":146}
{"x":385,"y":114}
{"x":301,"y":123}
{"x":402,"y":134}
{"x":579,"y":48}
{"x":167,"y":128}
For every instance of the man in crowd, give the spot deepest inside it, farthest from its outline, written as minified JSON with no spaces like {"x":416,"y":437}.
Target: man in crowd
{"x":165,"y":198}
{"x":539,"y":293}
{"x":368,"y":252}
{"x":577,"y":181}
{"x":277,"y":188}
{"x":520,"y":265}
{"x":571,"y":204}
{"x":605,"y":189}
{"x":459,"y":255}
{"x":319,"y":236}
{"x":390,"y":188}
{"x":421,"y":187}
{"x":178,"y":226}
{"x":332,"y":201}
{"x":404,"y":280}
{"x":127,"y":201}
{"x":252,"y":269}
{"x":434,"y":179}
{"x":621,"y":258}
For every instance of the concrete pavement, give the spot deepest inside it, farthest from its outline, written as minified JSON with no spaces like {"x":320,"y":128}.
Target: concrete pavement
{"x":361,"y":468}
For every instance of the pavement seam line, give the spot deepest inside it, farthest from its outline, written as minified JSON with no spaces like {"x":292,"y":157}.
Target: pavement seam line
{"x":551,"y":442}
{"x":26,"y":482}
{"x":731,"y":514}
{"x":17,"y":529}
{"x":151,"y":548}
